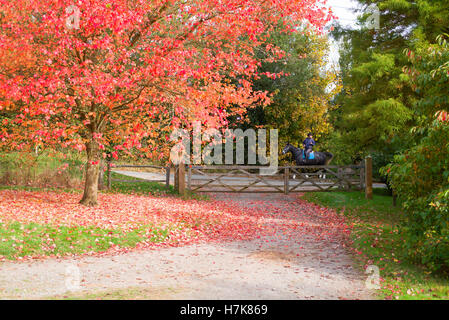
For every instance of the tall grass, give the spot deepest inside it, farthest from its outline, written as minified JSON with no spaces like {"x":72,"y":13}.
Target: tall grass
{"x":43,"y":169}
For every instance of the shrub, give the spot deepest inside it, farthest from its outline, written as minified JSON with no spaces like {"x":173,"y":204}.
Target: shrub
{"x":420,"y":178}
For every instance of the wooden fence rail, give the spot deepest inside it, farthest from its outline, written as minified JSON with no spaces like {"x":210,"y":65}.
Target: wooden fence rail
{"x":250,"y":179}
{"x":283,"y":180}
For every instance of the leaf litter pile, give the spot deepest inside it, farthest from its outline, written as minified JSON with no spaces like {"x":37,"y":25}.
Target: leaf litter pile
{"x":50,"y":224}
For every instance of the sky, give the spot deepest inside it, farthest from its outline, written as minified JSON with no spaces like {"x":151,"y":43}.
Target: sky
{"x":343,"y":10}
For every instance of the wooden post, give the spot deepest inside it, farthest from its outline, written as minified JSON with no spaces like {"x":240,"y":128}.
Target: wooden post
{"x":109,"y":175}
{"x":369,"y":177}
{"x":176,"y":174}
{"x":101,"y":175}
{"x":167,"y":177}
{"x":182,"y":179}
{"x":341,"y":183}
{"x":362,"y":178}
{"x":395,"y":198}
{"x":286,"y":180}
{"x":189,"y":179}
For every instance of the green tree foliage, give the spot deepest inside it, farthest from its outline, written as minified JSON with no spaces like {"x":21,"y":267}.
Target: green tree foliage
{"x":420,"y":176}
{"x":377,"y":101}
{"x":300,"y":98}
{"x":374,"y":113}
{"x":394,"y":105}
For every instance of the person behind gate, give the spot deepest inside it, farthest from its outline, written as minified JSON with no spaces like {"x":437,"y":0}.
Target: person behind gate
{"x":308,"y":145}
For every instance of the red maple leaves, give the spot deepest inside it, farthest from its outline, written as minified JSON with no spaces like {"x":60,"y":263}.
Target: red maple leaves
{"x":188,"y":221}
{"x":125,"y":58}
{"x":87,"y":69}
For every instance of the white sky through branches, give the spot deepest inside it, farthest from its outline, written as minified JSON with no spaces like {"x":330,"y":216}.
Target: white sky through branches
{"x":344,"y":10}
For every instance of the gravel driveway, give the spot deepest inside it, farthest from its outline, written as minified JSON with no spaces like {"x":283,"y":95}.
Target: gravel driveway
{"x":284,"y":266}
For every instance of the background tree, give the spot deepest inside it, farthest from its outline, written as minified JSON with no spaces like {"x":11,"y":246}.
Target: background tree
{"x":420,"y":175}
{"x":300,"y":99}
{"x":375,"y":102}
{"x":394,"y":105}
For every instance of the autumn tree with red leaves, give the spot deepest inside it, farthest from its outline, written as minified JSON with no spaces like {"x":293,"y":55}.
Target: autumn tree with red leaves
{"x":83,"y":67}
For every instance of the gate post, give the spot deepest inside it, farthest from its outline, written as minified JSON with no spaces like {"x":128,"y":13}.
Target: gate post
{"x":176,"y":175}
{"x":182,"y":179}
{"x":167,"y":177}
{"x":341,"y":183}
{"x":368,"y":177}
{"x":286,"y":179}
{"x":101,"y":175}
{"x":362,"y":177}
{"x":109,"y":175}
{"x":189,"y":179}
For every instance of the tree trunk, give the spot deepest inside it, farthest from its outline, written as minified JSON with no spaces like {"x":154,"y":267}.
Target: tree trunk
{"x":92,"y":173}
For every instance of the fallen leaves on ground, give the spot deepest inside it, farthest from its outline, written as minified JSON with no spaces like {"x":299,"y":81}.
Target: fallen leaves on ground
{"x":186,"y":221}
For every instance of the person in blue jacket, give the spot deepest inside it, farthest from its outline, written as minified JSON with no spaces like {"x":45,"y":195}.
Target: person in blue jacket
{"x":308,"y":145}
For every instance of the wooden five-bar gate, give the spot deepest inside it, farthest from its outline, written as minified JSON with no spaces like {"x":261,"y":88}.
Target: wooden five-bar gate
{"x":254,"y":179}
{"x":283,"y":179}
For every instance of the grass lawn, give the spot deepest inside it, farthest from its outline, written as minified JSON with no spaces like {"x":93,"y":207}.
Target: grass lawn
{"x":376,"y":240}
{"x":140,"y":186}
{"x":38,"y":239}
{"x":20,"y":240}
